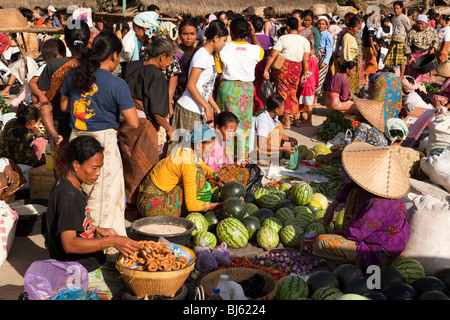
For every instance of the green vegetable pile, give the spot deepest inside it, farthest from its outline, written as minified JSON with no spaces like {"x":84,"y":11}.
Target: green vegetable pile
{"x":430,"y":88}
{"x":333,"y":186}
{"x":334,"y":123}
{"x":4,"y":107}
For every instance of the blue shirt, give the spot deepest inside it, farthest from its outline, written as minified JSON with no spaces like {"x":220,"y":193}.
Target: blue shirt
{"x":326,"y":42}
{"x":98,"y":109}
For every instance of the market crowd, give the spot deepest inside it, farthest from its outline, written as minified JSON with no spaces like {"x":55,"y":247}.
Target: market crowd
{"x":146,"y":114}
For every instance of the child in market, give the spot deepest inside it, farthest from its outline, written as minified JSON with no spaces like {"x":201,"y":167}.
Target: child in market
{"x":270,"y":132}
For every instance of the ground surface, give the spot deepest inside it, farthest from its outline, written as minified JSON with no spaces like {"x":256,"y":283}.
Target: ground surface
{"x":26,"y":250}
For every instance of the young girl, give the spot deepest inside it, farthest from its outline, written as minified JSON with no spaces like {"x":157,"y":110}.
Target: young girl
{"x":270,"y":133}
{"x":197,"y":99}
{"x":95,"y":99}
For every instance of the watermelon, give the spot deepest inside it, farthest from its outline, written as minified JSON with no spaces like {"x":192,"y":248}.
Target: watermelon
{"x":355,"y":285}
{"x":232,"y":232}
{"x":321,"y":149}
{"x":213,"y":218}
{"x":399,"y":291}
{"x":232,"y":189}
{"x":291,"y":287}
{"x":251,"y":208}
{"x":321,"y":198}
{"x":302,"y":150}
{"x":270,"y":188}
{"x":284,"y":214}
{"x":327,"y":293}
{"x":346,"y":272}
{"x":410,"y":268}
{"x":261,"y":191}
{"x":444,"y":275}
{"x":290,"y":236}
{"x":286,"y":204}
{"x":267,"y":237}
{"x":199,"y":220}
{"x":280,"y":194}
{"x":310,"y":155}
{"x":319,"y":214}
{"x":301,"y":209}
{"x":316,"y":228}
{"x":374,"y":295}
{"x":352,"y":296}
{"x":391,"y":275}
{"x":286,"y":187}
{"x":320,"y":279}
{"x":208,"y":237}
{"x":433,"y":295}
{"x":301,"y":193}
{"x":234,"y":207}
{"x":314,"y":206}
{"x":268,"y":201}
{"x":263,"y":214}
{"x":307,"y":217}
{"x":428,"y":283}
{"x":273,"y":223}
{"x":339,"y":220}
{"x":252,"y":224}
{"x":296,"y":221}
{"x":250,"y":198}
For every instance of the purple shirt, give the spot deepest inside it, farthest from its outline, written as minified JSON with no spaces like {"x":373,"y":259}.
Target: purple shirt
{"x":379,"y":225}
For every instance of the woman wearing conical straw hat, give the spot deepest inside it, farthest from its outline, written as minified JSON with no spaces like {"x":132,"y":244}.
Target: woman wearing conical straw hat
{"x":375,"y":230}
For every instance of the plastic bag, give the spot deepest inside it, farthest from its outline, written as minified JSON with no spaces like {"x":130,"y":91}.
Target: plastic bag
{"x":8,"y":224}
{"x":222,"y":255}
{"x":293,"y":160}
{"x":46,"y":278}
{"x":267,"y":89}
{"x":254,"y":179}
{"x":76,"y":293}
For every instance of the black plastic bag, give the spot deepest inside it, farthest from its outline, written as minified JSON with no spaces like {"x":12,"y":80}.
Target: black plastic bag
{"x":267,"y":89}
{"x":254,"y":179}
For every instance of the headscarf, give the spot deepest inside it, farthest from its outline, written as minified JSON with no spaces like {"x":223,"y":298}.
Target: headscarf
{"x":422,"y":18}
{"x":411,"y":87}
{"x":202,"y":133}
{"x":148,"y":20}
{"x":395,"y":124}
{"x":386,"y":29}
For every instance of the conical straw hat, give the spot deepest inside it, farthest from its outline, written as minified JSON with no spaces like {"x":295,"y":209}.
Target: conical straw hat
{"x":375,"y":169}
{"x":372,"y":110}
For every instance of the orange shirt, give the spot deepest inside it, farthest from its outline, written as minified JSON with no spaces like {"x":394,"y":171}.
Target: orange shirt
{"x":40,"y":22}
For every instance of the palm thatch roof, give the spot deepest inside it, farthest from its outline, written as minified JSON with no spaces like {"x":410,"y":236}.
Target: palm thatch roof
{"x":60,"y":5}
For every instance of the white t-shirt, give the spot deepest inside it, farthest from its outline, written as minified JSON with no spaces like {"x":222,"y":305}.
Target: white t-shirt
{"x":444,"y":34}
{"x":205,"y":84}
{"x":292,"y":47}
{"x":264,"y":124}
{"x":237,"y":61}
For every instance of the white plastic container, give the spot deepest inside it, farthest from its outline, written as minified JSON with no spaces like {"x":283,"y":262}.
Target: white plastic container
{"x":223,"y":286}
{"x":236,"y":292}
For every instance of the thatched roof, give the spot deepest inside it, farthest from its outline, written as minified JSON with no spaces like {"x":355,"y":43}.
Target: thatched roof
{"x":58,"y":4}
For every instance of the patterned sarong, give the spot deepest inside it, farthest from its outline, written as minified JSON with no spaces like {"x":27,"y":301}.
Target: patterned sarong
{"x":395,"y":54}
{"x":287,"y":82}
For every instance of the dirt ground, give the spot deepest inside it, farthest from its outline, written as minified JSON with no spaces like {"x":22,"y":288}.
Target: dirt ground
{"x":26,"y":250}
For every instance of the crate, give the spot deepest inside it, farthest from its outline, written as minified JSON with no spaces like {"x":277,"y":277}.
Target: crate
{"x":41,"y":182}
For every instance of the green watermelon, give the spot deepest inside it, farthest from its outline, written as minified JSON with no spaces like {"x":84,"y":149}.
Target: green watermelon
{"x":270,"y":188}
{"x":327,"y":293}
{"x":301,"y":193}
{"x":296,"y":221}
{"x":319,"y":214}
{"x":355,"y":285}
{"x":301,"y":209}
{"x":199,"y":220}
{"x":290,"y":236}
{"x":280,"y":194}
{"x":234,"y":207}
{"x":261,"y":191}
{"x":251,"y":208}
{"x":267,"y":238}
{"x":339,"y":219}
{"x":302,"y":150}
{"x":374,"y":295}
{"x":444,"y":275}
{"x":314,"y":206}
{"x":347,"y":271}
{"x":307,"y":217}
{"x":263,"y":213}
{"x":316,"y":228}
{"x":232,"y":189}
{"x":268,"y":201}
{"x":428,"y":283}
{"x":286,"y":204}
{"x":273,"y":223}
{"x":284,"y":214}
{"x":352,"y":296}
{"x":321,"y":278}
{"x":232,"y":232}
{"x":321,"y":198}
{"x":410,"y":268}
{"x":213,"y":217}
{"x":390,"y":275}
{"x":310,"y":155}
{"x":321,"y":149}
{"x":209,"y":238}
{"x":252,"y":224}
{"x":291,"y":287}
{"x":399,"y":291}
{"x":433,"y":295}
{"x":250,"y":198}
{"x":286,"y":187}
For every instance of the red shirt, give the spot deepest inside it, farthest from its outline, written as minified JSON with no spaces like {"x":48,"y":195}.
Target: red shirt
{"x":4,"y":43}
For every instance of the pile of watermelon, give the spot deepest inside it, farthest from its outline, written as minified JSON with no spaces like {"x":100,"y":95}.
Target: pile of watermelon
{"x":317,"y":152}
{"x":269,"y":216}
{"x":404,"y":279}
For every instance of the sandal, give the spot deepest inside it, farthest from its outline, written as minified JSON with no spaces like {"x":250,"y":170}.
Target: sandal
{"x":297,"y":123}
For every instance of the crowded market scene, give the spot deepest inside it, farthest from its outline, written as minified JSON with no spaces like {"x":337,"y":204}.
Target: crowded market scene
{"x":176,"y":151}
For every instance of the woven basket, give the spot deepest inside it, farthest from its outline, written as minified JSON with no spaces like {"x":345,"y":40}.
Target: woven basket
{"x":151,"y":283}
{"x":209,"y":282}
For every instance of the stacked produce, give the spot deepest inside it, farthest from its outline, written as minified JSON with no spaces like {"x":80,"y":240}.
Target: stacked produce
{"x":404,"y":279}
